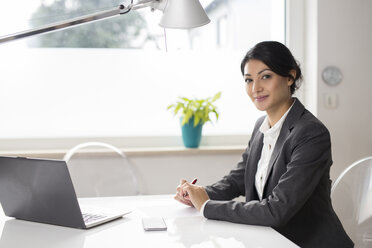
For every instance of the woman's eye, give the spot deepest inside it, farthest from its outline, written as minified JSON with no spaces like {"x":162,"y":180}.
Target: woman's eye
{"x":266,"y":76}
{"x":248,"y":80}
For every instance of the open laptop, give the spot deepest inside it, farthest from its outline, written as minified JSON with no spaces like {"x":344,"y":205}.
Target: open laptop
{"x":41,"y":190}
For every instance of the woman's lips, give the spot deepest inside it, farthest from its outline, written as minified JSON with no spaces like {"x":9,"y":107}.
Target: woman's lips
{"x":261,"y":98}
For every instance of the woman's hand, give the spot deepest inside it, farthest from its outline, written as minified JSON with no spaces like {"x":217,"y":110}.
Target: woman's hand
{"x":191,"y":195}
{"x":181,"y":195}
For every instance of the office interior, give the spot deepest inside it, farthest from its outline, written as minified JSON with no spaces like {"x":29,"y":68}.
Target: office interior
{"x":320,"y":33}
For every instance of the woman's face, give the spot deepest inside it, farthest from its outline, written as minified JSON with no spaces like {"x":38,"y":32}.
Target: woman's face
{"x":269,"y":91}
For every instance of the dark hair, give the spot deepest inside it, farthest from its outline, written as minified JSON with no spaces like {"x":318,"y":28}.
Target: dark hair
{"x":278,"y":58}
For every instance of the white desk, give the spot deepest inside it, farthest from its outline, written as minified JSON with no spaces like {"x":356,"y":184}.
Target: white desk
{"x":186,"y":228}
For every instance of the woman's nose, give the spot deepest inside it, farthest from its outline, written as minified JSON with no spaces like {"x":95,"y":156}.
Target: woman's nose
{"x":256,"y":86}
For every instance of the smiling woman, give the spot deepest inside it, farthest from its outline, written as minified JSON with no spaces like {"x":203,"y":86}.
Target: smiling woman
{"x":284,"y":171}
{"x":113,"y":78}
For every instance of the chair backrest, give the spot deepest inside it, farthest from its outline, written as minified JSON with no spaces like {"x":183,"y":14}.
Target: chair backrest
{"x":100,"y":169}
{"x":352,"y":200}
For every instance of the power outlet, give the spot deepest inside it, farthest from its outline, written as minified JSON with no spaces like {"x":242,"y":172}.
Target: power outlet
{"x":331,"y":101}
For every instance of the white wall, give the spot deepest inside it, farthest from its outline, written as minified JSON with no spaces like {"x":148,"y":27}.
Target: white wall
{"x":344,"y":40}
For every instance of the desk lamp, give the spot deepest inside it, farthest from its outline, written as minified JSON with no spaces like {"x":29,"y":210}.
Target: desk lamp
{"x":180,"y":14}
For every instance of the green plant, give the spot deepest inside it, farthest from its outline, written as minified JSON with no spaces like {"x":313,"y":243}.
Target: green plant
{"x":200,"y":109}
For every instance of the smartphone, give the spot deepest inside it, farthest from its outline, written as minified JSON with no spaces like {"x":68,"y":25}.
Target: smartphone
{"x":154,"y":224}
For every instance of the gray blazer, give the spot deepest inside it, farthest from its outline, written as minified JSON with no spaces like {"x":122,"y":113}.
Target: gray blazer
{"x":296,"y":197}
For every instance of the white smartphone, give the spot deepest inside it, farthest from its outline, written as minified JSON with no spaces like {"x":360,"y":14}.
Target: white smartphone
{"x":154,"y":224}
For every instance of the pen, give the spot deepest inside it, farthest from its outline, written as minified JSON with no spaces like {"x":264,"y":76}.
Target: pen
{"x":193,"y":182}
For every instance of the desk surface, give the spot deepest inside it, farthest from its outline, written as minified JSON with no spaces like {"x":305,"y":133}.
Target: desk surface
{"x":186,"y":228}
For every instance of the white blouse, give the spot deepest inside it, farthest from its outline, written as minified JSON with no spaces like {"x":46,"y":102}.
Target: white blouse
{"x":271,"y":135}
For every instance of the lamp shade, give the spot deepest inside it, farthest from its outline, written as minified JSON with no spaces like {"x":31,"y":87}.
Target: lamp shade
{"x":183,"y":14}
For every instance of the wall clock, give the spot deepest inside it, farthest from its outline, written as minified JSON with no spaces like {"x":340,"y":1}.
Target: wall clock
{"x":332,"y":75}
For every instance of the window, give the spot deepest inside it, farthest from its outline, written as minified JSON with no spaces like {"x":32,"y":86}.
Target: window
{"x":115,"y":78}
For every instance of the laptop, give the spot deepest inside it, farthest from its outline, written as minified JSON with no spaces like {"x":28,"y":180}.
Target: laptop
{"x":41,"y":190}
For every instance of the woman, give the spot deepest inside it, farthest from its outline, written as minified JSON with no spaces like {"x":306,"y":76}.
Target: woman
{"x":284,"y":172}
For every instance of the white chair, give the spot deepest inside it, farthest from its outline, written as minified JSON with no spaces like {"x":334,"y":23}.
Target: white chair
{"x":352,"y":200}
{"x":100,"y":169}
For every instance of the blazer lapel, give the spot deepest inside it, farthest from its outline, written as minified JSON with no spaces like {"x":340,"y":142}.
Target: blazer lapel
{"x":277,"y":149}
{"x":251,"y":167}
{"x":293,"y":115}
{"x":255,"y":153}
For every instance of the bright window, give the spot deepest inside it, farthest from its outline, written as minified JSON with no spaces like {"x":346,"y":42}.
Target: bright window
{"x":115,"y":78}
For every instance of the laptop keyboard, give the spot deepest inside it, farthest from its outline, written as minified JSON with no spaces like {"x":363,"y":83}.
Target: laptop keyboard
{"x":92,"y":217}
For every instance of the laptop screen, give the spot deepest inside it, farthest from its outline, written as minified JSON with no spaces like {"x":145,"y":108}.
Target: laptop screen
{"x":39,"y":190}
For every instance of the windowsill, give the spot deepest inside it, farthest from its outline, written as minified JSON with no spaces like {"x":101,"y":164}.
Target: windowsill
{"x":132,"y":146}
{"x":143,"y":151}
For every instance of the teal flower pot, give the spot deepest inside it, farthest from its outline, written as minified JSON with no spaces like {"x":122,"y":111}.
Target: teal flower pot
{"x":191,"y":135}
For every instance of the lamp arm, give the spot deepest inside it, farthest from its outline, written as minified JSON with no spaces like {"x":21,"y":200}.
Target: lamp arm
{"x":121,"y":9}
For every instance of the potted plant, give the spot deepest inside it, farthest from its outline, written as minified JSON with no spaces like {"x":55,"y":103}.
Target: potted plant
{"x":194,"y":114}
